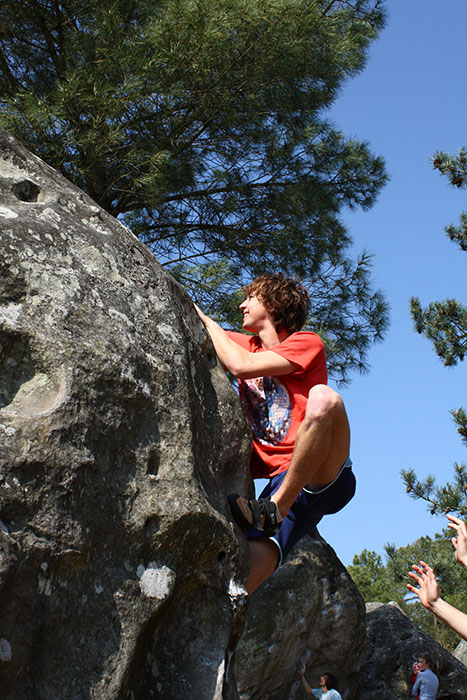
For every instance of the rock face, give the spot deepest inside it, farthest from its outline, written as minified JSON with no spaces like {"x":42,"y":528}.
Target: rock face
{"x":309,"y":612}
{"x":119,"y":438}
{"x":120,"y":569}
{"x":394,"y":643}
{"x":460,"y":652}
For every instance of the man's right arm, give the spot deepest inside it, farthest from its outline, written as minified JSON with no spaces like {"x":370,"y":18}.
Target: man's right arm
{"x":242,"y":363}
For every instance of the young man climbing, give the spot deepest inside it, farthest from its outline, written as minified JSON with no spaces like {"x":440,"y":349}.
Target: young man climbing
{"x":300,"y":430}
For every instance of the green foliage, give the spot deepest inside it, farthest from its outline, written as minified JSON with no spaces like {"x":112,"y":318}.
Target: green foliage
{"x":451,"y":498}
{"x":201,"y":125}
{"x":460,"y":419}
{"x":445,"y":324}
{"x":455,"y":169}
{"x":385,"y":582}
{"x":371,"y":578}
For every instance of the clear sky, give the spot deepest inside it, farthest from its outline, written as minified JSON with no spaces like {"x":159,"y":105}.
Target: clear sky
{"x":410,"y":100}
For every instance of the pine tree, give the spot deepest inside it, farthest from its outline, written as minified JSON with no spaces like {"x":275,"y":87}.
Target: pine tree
{"x":370,"y":576}
{"x":445,"y":324}
{"x":201,"y":125}
{"x":450,"y":498}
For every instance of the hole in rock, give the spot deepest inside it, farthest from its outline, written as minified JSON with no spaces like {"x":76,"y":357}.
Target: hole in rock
{"x":152,"y":526}
{"x":16,"y":365}
{"x":26,"y":191}
{"x":153,"y":463}
{"x":221,"y":556}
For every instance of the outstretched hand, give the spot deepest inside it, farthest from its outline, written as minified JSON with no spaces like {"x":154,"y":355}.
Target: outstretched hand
{"x":459,"y":542}
{"x":424,"y":576}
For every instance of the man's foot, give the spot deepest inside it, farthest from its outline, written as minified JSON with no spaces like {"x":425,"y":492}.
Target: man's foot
{"x":262,"y":514}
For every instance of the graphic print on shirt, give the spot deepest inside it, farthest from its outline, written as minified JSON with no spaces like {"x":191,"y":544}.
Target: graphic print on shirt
{"x":267,"y":405}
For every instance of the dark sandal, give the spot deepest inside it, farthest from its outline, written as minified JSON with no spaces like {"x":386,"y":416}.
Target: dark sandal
{"x":263,"y":514}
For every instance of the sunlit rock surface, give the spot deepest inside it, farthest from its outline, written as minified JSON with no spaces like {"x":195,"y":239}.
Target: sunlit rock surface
{"x":121,"y":572}
{"x":309,"y":612}
{"x":119,"y":438}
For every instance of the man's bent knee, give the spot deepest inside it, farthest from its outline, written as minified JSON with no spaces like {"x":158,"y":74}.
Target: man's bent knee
{"x":323,"y":402}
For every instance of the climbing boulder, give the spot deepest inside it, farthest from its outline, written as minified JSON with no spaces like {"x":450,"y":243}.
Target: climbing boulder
{"x":308,"y":612}
{"x":121,"y":571}
{"x":120,"y":574}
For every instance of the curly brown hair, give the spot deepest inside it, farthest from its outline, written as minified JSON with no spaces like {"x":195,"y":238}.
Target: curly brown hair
{"x":286,"y":299}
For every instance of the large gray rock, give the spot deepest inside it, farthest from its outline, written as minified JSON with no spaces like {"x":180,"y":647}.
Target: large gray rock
{"x":394,"y":643}
{"x":309,"y":612}
{"x":120,"y":570}
{"x":119,"y":438}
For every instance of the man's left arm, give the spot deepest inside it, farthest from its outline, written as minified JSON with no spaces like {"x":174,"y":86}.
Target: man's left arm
{"x":242,"y":363}
{"x":305,"y":683}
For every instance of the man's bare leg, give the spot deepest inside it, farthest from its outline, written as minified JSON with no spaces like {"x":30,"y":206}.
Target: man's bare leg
{"x":264,"y":556}
{"x":321,"y":447}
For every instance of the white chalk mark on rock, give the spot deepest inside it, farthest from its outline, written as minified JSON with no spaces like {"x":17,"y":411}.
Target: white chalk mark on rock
{"x":157,"y":582}
{"x":8,"y":213}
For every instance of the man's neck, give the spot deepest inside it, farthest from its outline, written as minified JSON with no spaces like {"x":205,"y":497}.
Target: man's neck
{"x":270,"y":337}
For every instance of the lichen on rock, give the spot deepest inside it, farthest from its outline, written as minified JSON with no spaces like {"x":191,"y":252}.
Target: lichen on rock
{"x":121,"y":572}
{"x":119,"y":438}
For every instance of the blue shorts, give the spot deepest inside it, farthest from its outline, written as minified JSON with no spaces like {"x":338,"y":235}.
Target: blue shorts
{"x":308,"y":508}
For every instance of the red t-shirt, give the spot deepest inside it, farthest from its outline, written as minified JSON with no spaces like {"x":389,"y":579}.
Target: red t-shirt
{"x":275,"y":406}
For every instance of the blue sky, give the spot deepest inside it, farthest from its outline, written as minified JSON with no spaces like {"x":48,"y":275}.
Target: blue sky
{"x":410,"y":100}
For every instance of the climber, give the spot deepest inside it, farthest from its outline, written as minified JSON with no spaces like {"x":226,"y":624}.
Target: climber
{"x":300,"y":430}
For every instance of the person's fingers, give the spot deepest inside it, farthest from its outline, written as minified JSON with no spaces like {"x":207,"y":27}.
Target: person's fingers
{"x":415,"y":577}
{"x":427,"y":569}
{"x":457,"y":524}
{"x":418,"y":569}
{"x":453,"y":519}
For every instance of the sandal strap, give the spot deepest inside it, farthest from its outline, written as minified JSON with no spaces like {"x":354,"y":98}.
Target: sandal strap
{"x":266,"y":509}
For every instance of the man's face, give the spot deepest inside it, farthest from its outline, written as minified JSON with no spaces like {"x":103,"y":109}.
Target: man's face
{"x":255,"y":314}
